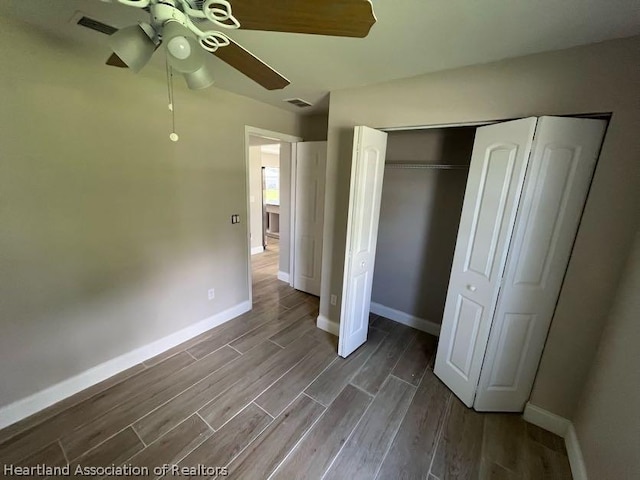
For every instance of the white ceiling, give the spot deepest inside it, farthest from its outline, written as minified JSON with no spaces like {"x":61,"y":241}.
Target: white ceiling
{"x":411,"y":37}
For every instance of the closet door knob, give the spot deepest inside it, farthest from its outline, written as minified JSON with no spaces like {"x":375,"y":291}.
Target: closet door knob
{"x":471,"y":288}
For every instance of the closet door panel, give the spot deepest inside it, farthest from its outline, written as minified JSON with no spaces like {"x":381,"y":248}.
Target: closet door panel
{"x":466,"y":325}
{"x":496,"y":176}
{"x":311,"y":159}
{"x":563,"y":160}
{"x":367,"y":172}
{"x":490,"y":204}
{"x":515,"y":337}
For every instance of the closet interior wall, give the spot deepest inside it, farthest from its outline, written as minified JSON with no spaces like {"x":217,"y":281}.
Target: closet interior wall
{"x":419,"y":219}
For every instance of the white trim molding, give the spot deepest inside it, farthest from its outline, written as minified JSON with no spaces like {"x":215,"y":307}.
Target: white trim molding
{"x":563,"y":428}
{"x":574,"y":452}
{"x":323,"y":323}
{"x":283,"y":276}
{"x":546,"y":420}
{"x":25,"y":407}
{"x":257,"y":250}
{"x":418,"y":323}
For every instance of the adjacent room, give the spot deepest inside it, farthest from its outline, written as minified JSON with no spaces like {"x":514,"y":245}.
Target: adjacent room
{"x":341,"y":239}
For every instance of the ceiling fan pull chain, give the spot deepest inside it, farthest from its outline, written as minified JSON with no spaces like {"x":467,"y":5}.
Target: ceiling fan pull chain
{"x":173,"y":136}
{"x":219,"y":12}
{"x":166,"y":64}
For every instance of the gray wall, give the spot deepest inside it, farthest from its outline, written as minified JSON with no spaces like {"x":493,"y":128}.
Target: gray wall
{"x":255,"y":195}
{"x":314,"y":127}
{"x":598,"y":78}
{"x":607,"y":422}
{"x":419,"y":218}
{"x":285,"y":206}
{"x":111,"y":233}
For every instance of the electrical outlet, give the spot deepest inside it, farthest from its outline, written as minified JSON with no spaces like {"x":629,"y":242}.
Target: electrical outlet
{"x":334,"y":299}
{"x":211,"y":293}
{"x":235,"y":218}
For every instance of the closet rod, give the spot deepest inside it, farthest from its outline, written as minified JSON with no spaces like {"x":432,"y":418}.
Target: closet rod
{"x":435,"y":166}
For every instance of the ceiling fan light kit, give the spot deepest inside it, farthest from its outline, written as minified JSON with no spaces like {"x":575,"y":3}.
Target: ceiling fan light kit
{"x":132,"y":46}
{"x":199,"y":79}
{"x":183,"y":51}
{"x":176,"y":24}
{"x":347,"y":18}
{"x":179,"y":47}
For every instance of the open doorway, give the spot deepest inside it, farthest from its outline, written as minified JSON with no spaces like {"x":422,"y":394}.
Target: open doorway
{"x":269,"y":210}
{"x":285,"y":209}
{"x":285,"y":205}
{"x":266,"y":206}
{"x":285,"y":199}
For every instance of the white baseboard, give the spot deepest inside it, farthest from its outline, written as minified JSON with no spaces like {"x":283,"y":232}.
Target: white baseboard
{"x":574,"y":452}
{"x":284,"y":276}
{"x":323,"y":323}
{"x":256,"y":250}
{"x":34,"y":403}
{"x":564,"y":428}
{"x":546,"y":420}
{"x":406,"y":319}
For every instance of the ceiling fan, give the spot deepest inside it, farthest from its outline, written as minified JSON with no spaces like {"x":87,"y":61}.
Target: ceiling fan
{"x":189,"y":29}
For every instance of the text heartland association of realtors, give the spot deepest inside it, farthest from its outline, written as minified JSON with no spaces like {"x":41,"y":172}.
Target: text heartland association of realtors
{"x":114,"y":471}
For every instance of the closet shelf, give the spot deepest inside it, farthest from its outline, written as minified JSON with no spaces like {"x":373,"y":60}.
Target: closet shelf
{"x":434,"y":166}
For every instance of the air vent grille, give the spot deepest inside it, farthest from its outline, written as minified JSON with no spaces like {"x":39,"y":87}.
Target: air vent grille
{"x":96,"y":25}
{"x":298,"y":102}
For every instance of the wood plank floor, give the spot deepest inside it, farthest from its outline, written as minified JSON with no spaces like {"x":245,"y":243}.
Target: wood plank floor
{"x":265,"y":396}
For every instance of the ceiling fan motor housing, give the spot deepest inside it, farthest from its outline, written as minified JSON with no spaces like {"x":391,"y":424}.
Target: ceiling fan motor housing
{"x":165,"y":11}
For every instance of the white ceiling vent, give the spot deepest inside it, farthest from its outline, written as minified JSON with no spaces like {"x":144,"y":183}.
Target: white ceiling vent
{"x":298,"y":102}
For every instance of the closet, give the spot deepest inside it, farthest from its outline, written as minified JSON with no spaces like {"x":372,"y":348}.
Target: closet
{"x":424,"y":181}
{"x":526,"y":187}
{"x":525,"y":194}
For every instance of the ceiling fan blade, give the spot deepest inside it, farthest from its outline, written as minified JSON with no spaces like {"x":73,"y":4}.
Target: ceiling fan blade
{"x":343,"y":18}
{"x":250,"y":65}
{"x":115,"y":61}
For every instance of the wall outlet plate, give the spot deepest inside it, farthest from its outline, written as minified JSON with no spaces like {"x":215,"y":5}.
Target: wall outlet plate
{"x":334,"y":299}
{"x":211,"y":293}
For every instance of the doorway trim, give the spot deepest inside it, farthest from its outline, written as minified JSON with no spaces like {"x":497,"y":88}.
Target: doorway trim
{"x":278,"y":137}
{"x":479,"y":123}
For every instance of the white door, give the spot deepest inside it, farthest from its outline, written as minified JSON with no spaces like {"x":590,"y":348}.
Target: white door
{"x":310,"y":165}
{"x":563,"y":159}
{"x":367,"y":170}
{"x":496,"y":177}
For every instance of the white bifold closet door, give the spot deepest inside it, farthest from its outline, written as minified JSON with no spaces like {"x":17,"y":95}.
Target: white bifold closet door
{"x":516,"y":233}
{"x":496,"y":176}
{"x":367,"y":171}
{"x":564,"y":155}
{"x":310,"y":166}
